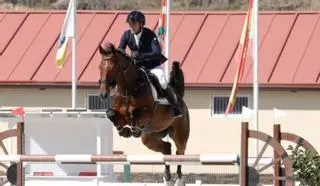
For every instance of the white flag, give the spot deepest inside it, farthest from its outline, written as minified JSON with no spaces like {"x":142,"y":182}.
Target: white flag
{"x":68,"y":30}
{"x":277,"y":114}
{"x":246,"y":114}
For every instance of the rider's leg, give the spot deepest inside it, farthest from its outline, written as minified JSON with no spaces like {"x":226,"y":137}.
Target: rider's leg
{"x":172,"y":98}
{"x":168,"y":91}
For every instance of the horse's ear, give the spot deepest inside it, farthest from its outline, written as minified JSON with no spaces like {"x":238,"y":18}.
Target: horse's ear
{"x":113,"y":49}
{"x":101,"y":50}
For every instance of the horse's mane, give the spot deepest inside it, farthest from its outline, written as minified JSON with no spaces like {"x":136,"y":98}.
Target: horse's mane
{"x":109,"y":48}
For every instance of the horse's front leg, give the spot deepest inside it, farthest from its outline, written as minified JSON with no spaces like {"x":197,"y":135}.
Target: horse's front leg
{"x":120,"y":122}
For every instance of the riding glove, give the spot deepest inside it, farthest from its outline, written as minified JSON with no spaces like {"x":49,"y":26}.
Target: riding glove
{"x":121,"y":50}
{"x":136,"y":57}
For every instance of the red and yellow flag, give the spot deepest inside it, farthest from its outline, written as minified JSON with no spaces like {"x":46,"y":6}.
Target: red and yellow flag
{"x":244,"y":50}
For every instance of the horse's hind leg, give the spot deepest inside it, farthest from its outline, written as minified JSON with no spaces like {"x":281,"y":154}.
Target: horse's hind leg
{"x":181,"y":147}
{"x":156,"y":144}
{"x":180,"y":136}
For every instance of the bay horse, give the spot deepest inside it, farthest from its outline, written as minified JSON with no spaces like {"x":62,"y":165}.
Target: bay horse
{"x":133,"y":108}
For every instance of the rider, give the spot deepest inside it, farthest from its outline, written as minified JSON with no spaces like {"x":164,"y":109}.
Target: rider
{"x":146,"y":52}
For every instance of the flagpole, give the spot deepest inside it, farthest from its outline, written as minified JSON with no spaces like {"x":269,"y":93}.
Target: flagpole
{"x":167,"y":40}
{"x":256,"y":71}
{"x":74,"y":79}
{"x":167,"y":45}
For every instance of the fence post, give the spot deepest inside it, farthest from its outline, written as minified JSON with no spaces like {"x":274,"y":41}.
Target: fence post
{"x":20,"y":150}
{"x":277,"y":165}
{"x":244,"y":154}
{"x":126,"y":168}
{"x":126,"y":173}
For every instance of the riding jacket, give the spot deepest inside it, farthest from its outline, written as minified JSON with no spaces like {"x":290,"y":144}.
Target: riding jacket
{"x":148,"y":49}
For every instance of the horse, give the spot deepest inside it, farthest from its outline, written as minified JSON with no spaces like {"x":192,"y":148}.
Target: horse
{"x":134,"y":112}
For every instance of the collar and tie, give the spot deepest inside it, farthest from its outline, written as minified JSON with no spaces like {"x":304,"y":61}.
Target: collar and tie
{"x":137,"y":37}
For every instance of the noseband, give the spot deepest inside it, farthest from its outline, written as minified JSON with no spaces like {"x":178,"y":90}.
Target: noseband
{"x":111,"y":83}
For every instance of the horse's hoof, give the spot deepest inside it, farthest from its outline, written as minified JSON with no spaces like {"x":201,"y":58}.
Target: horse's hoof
{"x":136,"y":132}
{"x":125,"y":132}
{"x":180,"y":182}
{"x":128,"y":135}
{"x":168,"y":182}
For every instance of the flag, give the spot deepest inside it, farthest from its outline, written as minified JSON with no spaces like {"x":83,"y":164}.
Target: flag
{"x":68,"y":30}
{"x":246,"y":114}
{"x":246,"y":35}
{"x":277,"y":114}
{"x":162,"y":20}
{"x":19,"y":112}
{"x":249,"y":51}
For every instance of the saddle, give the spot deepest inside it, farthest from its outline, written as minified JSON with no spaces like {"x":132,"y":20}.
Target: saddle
{"x":155,"y":82}
{"x":157,"y":91}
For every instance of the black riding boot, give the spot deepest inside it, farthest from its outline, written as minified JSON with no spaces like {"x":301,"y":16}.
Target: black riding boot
{"x":172,"y":98}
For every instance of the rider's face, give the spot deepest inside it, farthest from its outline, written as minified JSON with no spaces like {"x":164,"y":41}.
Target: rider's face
{"x":135,"y":27}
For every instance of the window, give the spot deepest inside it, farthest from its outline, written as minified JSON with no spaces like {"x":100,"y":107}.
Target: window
{"x":220,"y":103}
{"x":95,"y":103}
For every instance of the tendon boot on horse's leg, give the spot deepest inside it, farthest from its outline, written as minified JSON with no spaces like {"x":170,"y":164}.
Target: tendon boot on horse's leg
{"x":167,"y":150}
{"x":167,"y":173}
{"x":179,"y":172}
{"x":124,"y":131}
{"x":172,"y":98}
{"x":179,"y":180}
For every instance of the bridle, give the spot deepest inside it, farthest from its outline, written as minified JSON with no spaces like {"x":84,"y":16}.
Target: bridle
{"x":122,"y":71}
{"x":118,"y":67}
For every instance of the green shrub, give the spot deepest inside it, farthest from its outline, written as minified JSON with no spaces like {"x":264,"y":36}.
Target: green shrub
{"x":306,"y":165}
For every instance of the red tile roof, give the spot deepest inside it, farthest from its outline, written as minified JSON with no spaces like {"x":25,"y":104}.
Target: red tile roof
{"x":205,"y":43}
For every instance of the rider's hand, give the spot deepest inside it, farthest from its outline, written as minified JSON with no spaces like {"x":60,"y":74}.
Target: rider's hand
{"x":135,"y":55}
{"x":122,"y":50}
{"x":137,"y":58}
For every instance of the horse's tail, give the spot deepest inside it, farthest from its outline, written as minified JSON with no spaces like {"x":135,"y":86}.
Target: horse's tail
{"x":177,"y":79}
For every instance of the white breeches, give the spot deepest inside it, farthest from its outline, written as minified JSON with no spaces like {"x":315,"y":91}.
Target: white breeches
{"x":158,"y":71}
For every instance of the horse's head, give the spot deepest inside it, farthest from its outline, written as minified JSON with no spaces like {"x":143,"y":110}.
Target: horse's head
{"x":112,"y":65}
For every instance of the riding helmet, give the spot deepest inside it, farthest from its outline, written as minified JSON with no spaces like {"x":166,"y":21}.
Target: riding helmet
{"x":136,"y":16}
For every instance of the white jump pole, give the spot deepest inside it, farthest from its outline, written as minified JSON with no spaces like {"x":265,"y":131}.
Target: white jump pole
{"x":205,"y":159}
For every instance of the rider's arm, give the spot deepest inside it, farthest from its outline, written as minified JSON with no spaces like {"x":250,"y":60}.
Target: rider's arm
{"x":123,"y":41}
{"x":155,"y":54}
